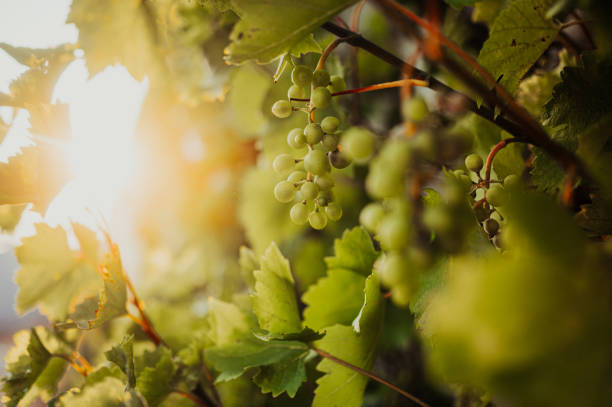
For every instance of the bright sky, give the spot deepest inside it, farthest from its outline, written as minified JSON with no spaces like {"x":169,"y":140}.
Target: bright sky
{"x":103,"y":112}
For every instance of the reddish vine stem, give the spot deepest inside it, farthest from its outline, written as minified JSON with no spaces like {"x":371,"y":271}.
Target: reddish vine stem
{"x":83,"y":370}
{"x":496,"y":148}
{"x":145,"y":323}
{"x":191,"y":397}
{"x":370,"y":88}
{"x":371,"y":376}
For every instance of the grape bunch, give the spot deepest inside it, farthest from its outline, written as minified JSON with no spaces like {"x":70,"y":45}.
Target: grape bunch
{"x":309,"y":180}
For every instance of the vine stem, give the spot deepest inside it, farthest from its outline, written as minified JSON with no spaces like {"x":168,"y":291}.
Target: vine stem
{"x":371,"y":376}
{"x":191,"y":397}
{"x":82,"y":369}
{"x":385,"y":85}
{"x":496,"y":148}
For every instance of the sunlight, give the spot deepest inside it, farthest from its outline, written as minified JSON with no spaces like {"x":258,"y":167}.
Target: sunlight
{"x":104,"y":111}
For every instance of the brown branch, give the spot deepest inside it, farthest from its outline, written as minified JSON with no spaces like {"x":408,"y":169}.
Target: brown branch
{"x":371,"y":376}
{"x":496,"y":148}
{"x":386,"y":85}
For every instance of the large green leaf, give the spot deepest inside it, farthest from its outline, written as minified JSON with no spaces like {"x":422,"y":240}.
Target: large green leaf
{"x":274,"y":302}
{"x":519,"y":36}
{"x":354,"y":251}
{"x":341,"y":386}
{"x":123,"y":356}
{"x":226,"y":322}
{"x":282,"y":377}
{"x":156,"y":375}
{"x":271,"y":28}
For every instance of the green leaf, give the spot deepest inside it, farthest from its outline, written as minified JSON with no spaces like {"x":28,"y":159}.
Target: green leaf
{"x":519,"y":36}
{"x":52,"y":276}
{"x":227,"y":323}
{"x":305,"y":335}
{"x":35,"y":176}
{"x":355,"y":252}
{"x":341,"y":386}
{"x":271,"y":28}
{"x":509,"y":160}
{"x":486,"y":11}
{"x":274,"y":302}
{"x":306,"y":45}
{"x":461,"y":3}
{"x":128,"y":20}
{"x":108,"y":392}
{"x":334,"y":299}
{"x":282,"y":377}
{"x":123,"y":356}
{"x":155,"y":375}
{"x":247,"y":112}
{"x":232,"y":360}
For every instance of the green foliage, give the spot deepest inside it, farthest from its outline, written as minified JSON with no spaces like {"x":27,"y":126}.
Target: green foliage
{"x":354,"y":252}
{"x":519,"y":36}
{"x":123,"y":356}
{"x":269,"y":29}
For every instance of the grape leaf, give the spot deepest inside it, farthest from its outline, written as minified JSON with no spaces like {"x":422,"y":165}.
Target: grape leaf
{"x":305,"y":335}
{"x":226,"y":323}
{"x":155,"y":375}
{"x":35,"y":175}
{"x":354,"y":251}
{"x":247,"y":113}
{"x":461,"y":3}
{"x":341,"y":386}
{"x":520,"y":34}
{"x":128,"y":20}
{"x":123,"y":356}
{"x":52,"y":275}
{"x":282,"y":377}
{"x":271,"y":28}
{"x":334,"y":299}
{"x":108,"y":392}
{"x":50,"y":121}
{"x":232,"y":360}
{"x":274,"y":302}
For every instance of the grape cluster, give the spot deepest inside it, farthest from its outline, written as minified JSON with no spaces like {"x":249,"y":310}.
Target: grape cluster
{"x":309,"y":180}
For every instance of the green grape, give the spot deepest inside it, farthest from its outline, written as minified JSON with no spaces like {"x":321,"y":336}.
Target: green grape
{"x":415,"y":109}
{"x":316,"y":162}
{"x":324,"y":182}
{"x":283,"y":163}
{"x":320,"y":77}
{"x":497,"y":216}
{"x":438,"y":219}
{"x":459,"y":172}
{"x":330,"y":124}
{"x":296,"y":92}
{"x":284,"y":191}
{"x":371,"y":215}
{"x":481,"y":213}
{"x":497,"y":241}
{"x":394,"y":269}
{"x":299,"y":213}
{"x":474,"y":162}
{"x":313,"y":133}
{"x":282,"y":109}
{"x":358,"y":144}
{"x":424,"y":142}
{"x":512,"y":180}
{"x":495,"y":195}
{"x":294,"y":138}
{"x":300,"y":166}
{"x":387,"y":170}
{"x":490,"y":226}
{"x":333,"y":211}
{"x":301,"y":76}
{"x":330,"y":142}
{"x":296,"y":176}
{"x":317,"y":220}
{"x":320,"y":97}
{"x":339,"y":160}
{"x":309,"y":190}
{"x":337,"y":84}
{"x":392,"y":232}
{"x":402,"y":294}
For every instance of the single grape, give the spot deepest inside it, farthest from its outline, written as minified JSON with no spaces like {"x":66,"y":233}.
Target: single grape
{"x":282,"y":109}
{"x":333,"y":211}
{"x":296,"y":92}
{"x":317,"y":220}
{"x":402,"y":294}
{"x":358,"y":144}
{"x":481,"y":213}
{"x":294,"y":141}
{"x":284,"y":191}
{"x":320,"y":77}
{"x":330,"y":124}
{"x":497,"y":241}
{"x":320,"y":97}
{"x":393,"y":270}
{"x":330,"y":142}
{"x":309,"y":190}
{"x":300,"y":166}
{"x":299,"y":213}
{"x":316,"y":162}
{"x":283,"y":163}
{"x":339,"y":160}
{"x":474,"y":162}
{"x":425,"y":144}
{"x":497,"y":216}
{"x":490,"y":226}
{"x":512,"y":180}
{"x":392,"y":232}
{"x":371,"y":215}
{"x":324,"y":182}
{"x":415,"y":109}
{"x":495,"y":195}
{"x":326,"y":194}
{"x":438,"y":219}
{"x":337,"y":84}
{"x":296,"y":176}
{"x":301,"y":76}
{"x":313,"y":133}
